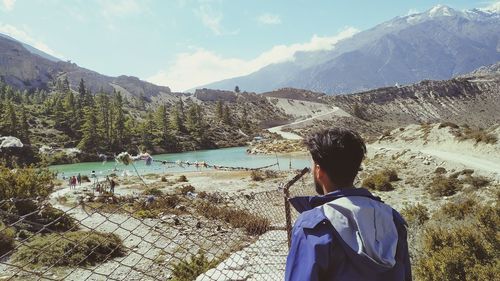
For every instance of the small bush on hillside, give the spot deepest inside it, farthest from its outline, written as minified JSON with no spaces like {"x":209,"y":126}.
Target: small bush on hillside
{"x":79,"y":248}
{"x":416,"y":214}
{"x":85,"y":178}
{"x":27,"y":182}
{"x":153,"y":191}
{"x":188,"y":270}
{"x":187,"y":188}
{"x":458,"y":210}
{"x":448,"y":124}
{"x":440,"y":171}
{"x":443,"y":186}
{"x":253,"y":224}
{"x":476,"y":182}
{"x":7,"y":242}
{"x":381,"y":180}
{"x":479,"y":135}
{"x":256,"y":175}
{"x":163,"y":179}
{"x":55,"y":219}
{"x":182,"y":178}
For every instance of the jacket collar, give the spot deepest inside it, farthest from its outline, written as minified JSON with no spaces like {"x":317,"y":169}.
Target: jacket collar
{"x":305,"y":203}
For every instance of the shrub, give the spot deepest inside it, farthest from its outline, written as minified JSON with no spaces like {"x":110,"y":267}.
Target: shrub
{"x":256,"y":175}
{"x":79,"y":248}
{"x":182,"y":178}
{"x":460,"y":253}
{"x":7,"y":235}
{"x":56,"y":220}
{"x":417,"y":214}
{"x":27,"y":182}
{"x":187,"y":188}
{"x":164,"y":179}
{"x":440,"y":171}
{"x":153,"y":191}
{"x":146,"y":214}
{"x":479,"y":135}
{"x":458,"y":210}
{"x":448,"y":124}
{"x":443,"y":186}
{"x":476,"y":182}
{"x":253,"y":224}
{"x":381,"y":180}
{"x":85,"y":178}
{"x":188,"y":270}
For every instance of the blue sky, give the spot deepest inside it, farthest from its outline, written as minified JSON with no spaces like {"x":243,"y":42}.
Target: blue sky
{"x":187,"y":43}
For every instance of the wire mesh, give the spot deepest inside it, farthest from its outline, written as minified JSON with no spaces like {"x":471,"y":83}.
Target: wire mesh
{"x":188,"y":236}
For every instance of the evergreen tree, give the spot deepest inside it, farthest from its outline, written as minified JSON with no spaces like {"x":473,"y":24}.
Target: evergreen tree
{"x":244,"y":124}
{"x":147,"y":129}
{"x":226,"y":115}
{"x":119,"y":135}
{"x":219,"y":110}
{"x":237,"y":89}
{"x":90,"y":141}
{"x":10,"y":120}
{"x":24,"y":133}
{"x":104,"y":118}
{"x":162,"y":125}
{"x":175,"y":122}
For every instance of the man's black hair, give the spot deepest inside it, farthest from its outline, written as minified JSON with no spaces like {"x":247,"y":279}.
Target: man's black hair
{"x":339,"y":152}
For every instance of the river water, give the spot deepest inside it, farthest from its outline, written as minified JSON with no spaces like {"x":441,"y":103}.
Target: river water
{"x":234,"y":157}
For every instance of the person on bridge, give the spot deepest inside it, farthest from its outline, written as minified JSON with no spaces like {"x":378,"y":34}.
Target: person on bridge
{"x":345,"y":233}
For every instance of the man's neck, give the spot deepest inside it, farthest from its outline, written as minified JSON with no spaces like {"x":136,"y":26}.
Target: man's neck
{"x":335,"y":187}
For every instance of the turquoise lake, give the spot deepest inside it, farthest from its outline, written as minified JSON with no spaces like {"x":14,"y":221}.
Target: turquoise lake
{"x":234,"y":157}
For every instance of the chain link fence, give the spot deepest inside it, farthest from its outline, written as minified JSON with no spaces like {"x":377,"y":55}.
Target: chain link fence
{"x":182,"y":236}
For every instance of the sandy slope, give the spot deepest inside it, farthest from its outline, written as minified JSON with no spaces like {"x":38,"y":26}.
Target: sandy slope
{"x":292,"y":136}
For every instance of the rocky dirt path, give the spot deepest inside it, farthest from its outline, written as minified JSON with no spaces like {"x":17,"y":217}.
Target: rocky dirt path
{"x":292,"y":136}
{"x":467,"y":159}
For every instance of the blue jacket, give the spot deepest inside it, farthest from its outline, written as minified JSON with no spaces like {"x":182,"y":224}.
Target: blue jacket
{"x":350,"y":235}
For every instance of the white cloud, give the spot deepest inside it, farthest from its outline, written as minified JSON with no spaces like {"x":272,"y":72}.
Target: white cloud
{"x":201,"y":66}
{"x":493,"y":7}
{"x":8,"y":5}
{"x":25,"y":37}
{"x":269,"y":19}
{"x":412,"y":12}
{"x":210,"y":18}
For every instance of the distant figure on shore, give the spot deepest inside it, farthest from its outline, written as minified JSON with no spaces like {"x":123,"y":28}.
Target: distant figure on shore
{"x":79,"y":179}
{"x":346,"y":233}
{"x":72,"y":182}
{"x":112,"y":185}
{"x":93,"y":176}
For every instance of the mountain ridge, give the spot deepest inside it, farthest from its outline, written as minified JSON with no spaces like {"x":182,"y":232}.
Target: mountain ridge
{"x":437,"y":44}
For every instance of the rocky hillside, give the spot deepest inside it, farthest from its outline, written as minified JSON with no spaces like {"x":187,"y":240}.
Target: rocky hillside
{"x":23,"y":67}
{"x":437,"y":44}
{"x":473,"y":99}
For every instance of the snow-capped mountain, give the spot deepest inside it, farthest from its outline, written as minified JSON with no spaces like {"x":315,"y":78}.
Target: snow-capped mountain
{"x":437,"y":44}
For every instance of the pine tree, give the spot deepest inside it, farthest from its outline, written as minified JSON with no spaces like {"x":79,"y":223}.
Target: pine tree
{"x":10,"y":120}
{"x":244,"y":124}
{"x":162,"y":125}
{"x":90,"y":141}
{"x":24,"y":133}
{"x":236,"y":89}
{"x":219,"y":110}
{"x":119,"y":131}
{"x":103,"y":118}
{"x":175,"y":122}
{"x":148,"y":132}
{"x":226,"y":115}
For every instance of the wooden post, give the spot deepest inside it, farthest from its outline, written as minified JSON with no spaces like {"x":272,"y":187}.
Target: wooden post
{"x":288,"y":215}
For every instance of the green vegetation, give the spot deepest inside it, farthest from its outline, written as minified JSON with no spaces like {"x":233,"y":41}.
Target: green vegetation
{"x":28,"y":182}
{"x":477,"y":134}
{"x":79,"y":248}
{"x":253,"y":224}
{"x":444,"y":186}
{"x":188,"y":270}
{"x":464,"y":249}
{"x":7,"y":235}
{"x":415,"y":214}
{"x":105,"y":122}
{"x":381,"y":180}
